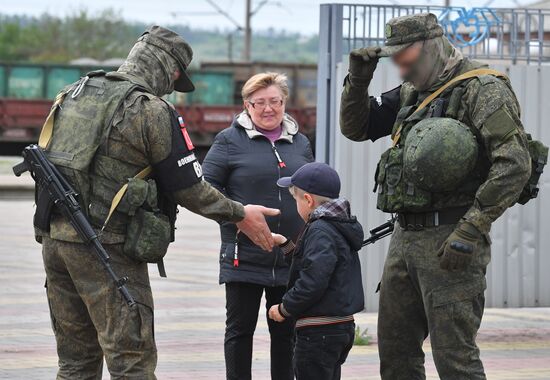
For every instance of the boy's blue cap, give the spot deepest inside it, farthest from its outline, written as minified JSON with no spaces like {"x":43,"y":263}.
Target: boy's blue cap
{"x":316,"y":178}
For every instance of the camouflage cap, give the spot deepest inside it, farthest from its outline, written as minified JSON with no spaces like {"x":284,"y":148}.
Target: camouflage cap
{"x":402,"y":32}
{"x":173,"y":44}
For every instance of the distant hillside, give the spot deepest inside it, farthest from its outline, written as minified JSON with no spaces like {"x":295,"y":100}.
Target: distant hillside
{"x":106,"y":35}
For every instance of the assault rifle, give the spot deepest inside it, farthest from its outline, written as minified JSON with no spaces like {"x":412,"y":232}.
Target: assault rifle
{"x":53,"y":190}
{"x":380,"y":232}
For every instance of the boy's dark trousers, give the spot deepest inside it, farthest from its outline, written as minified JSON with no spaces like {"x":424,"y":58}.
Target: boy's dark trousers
{"x":242,"y":304}
{"x":320,"y":351}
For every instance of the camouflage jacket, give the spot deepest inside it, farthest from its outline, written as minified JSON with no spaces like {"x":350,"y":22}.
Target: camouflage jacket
{"x":488,"y":104}
{"x":141,"y":135}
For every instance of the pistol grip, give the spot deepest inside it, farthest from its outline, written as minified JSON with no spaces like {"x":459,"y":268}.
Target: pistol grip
{"x":20,"y":168}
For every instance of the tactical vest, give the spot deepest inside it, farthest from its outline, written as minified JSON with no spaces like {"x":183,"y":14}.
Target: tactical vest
{"x":397,"y":193}
{"x":79,"y":148}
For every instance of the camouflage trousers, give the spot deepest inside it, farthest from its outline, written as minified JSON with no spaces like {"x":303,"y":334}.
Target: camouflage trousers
{"x":418,"y":298}
{"x":90,"y":319}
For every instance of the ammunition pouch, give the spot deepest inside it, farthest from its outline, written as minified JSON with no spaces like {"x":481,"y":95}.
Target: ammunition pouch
{"x":395,"y":191}
{"x":148,"y":236}
{"x":149,"y":231}
{"x":539,"y":158}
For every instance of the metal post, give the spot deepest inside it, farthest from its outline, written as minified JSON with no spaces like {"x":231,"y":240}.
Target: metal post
{"x":247,"y":31}
{"x":330,"y":54}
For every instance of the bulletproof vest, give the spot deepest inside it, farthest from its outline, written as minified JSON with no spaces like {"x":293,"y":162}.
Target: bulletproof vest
{"x":82,"y":127}
{"x":398,"y":190}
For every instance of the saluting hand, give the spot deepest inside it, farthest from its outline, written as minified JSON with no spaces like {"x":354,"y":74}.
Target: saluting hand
{"x":255,"y":227}
{"x":362,"y":63}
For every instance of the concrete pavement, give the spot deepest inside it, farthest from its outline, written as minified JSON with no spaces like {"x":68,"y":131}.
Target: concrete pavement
{"x":189,"y":317}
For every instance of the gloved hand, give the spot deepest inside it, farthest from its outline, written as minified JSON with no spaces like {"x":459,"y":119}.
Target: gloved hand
{"x":459,"y":249}
{"x":362,"y":63}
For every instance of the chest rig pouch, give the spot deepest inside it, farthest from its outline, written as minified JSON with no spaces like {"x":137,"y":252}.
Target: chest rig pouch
{"x":150,"y":231}
{"x":395,"y":191}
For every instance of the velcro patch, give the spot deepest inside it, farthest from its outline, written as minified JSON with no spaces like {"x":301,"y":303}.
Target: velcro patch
{"x":180,"y":169}
{"x":500,"y":125}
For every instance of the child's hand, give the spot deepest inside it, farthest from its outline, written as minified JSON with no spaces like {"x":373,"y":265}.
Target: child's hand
{"x":274,"y":313}
{"x":278,"y":239}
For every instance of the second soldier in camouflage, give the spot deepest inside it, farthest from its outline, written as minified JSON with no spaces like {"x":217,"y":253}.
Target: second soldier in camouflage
{"x":455,"y":166}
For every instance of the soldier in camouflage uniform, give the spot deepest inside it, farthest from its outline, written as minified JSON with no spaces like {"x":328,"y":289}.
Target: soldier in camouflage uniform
{"x":434,"y":277}
{"x":89,"y":318}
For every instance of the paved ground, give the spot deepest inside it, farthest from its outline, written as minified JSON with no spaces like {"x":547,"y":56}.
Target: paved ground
{"x":190,"y":315}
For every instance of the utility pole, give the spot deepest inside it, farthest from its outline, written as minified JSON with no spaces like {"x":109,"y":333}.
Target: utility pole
{"x":247,"y":31}
{"x":249,"y":13}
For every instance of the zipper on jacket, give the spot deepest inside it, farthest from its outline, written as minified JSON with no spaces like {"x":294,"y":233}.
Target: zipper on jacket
{"x":281,"y":164}
{"x":236,"y":251}
{"x":279,"y":159}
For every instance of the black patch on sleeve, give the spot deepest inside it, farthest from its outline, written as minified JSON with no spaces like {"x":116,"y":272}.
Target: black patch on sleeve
{"x":180,"y":169}
{"x":383,"y":111}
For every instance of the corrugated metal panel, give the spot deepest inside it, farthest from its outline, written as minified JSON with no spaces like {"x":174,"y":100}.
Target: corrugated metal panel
{"x":2,"y":81}
{"x":518,"y":274}
{"x":57,"y":78}
{"x":26,"y":82}
{"x":212,"y":88}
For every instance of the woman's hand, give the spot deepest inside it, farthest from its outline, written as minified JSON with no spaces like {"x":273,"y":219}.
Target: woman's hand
{"x":278,"y":239}
{"x":274,"y":313}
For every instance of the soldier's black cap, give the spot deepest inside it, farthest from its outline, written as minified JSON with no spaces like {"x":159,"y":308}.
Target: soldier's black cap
{"x":173,"y":44}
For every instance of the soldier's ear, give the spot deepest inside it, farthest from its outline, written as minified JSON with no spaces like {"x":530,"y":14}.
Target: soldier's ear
{"x":176,"y":75}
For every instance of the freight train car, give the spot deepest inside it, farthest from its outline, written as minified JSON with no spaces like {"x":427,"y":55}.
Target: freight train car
{"x":37,"y":81}
{"x":27,"y":90}
{"x":22,"y":119}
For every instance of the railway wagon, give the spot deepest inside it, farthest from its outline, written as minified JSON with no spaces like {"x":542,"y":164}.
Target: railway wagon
{"x":27,"y":90}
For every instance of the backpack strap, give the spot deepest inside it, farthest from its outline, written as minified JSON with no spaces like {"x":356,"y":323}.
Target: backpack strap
{"x":467,"y":75}
{"x":47,"y":129}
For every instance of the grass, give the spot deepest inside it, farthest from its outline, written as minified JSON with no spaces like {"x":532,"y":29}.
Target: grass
{"x":362,"y":338}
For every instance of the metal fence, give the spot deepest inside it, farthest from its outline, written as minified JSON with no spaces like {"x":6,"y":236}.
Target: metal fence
{"x":481,"y":32}
{"x":517,"y":274}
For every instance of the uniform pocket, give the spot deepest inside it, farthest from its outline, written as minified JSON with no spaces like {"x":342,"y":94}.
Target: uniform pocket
{"x":52,"y":316}
{"x":137,"y":329}
{"x":458,"y":292}
{"x":456,"y":313}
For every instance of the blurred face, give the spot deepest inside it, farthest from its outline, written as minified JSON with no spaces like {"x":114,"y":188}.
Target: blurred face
{"x":305,"y":204}
{"x":266,"y":107}
{"x":406,"y":59}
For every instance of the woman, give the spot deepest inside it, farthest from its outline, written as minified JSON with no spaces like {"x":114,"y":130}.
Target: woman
{"x":246,"y":160}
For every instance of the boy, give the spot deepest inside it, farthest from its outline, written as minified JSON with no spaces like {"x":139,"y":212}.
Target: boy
{"x":325,"y":288}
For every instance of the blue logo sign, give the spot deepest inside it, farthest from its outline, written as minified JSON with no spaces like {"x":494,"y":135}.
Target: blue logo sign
{"x":470,"y":27}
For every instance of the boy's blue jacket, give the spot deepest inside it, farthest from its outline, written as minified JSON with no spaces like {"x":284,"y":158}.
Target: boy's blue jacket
{"x":325,"y":274}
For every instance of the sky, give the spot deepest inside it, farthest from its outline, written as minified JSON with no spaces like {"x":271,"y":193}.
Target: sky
{"x":292,"y":15}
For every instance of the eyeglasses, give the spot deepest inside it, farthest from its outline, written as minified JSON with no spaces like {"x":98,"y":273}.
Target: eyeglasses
{"x":260,"y":105}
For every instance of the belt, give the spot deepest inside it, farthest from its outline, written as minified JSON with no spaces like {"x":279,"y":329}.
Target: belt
{"x":321,"y":321}
{"x":419,"y":220}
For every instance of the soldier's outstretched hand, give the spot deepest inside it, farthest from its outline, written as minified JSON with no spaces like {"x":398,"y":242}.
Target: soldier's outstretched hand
{"x":255,"y":227}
